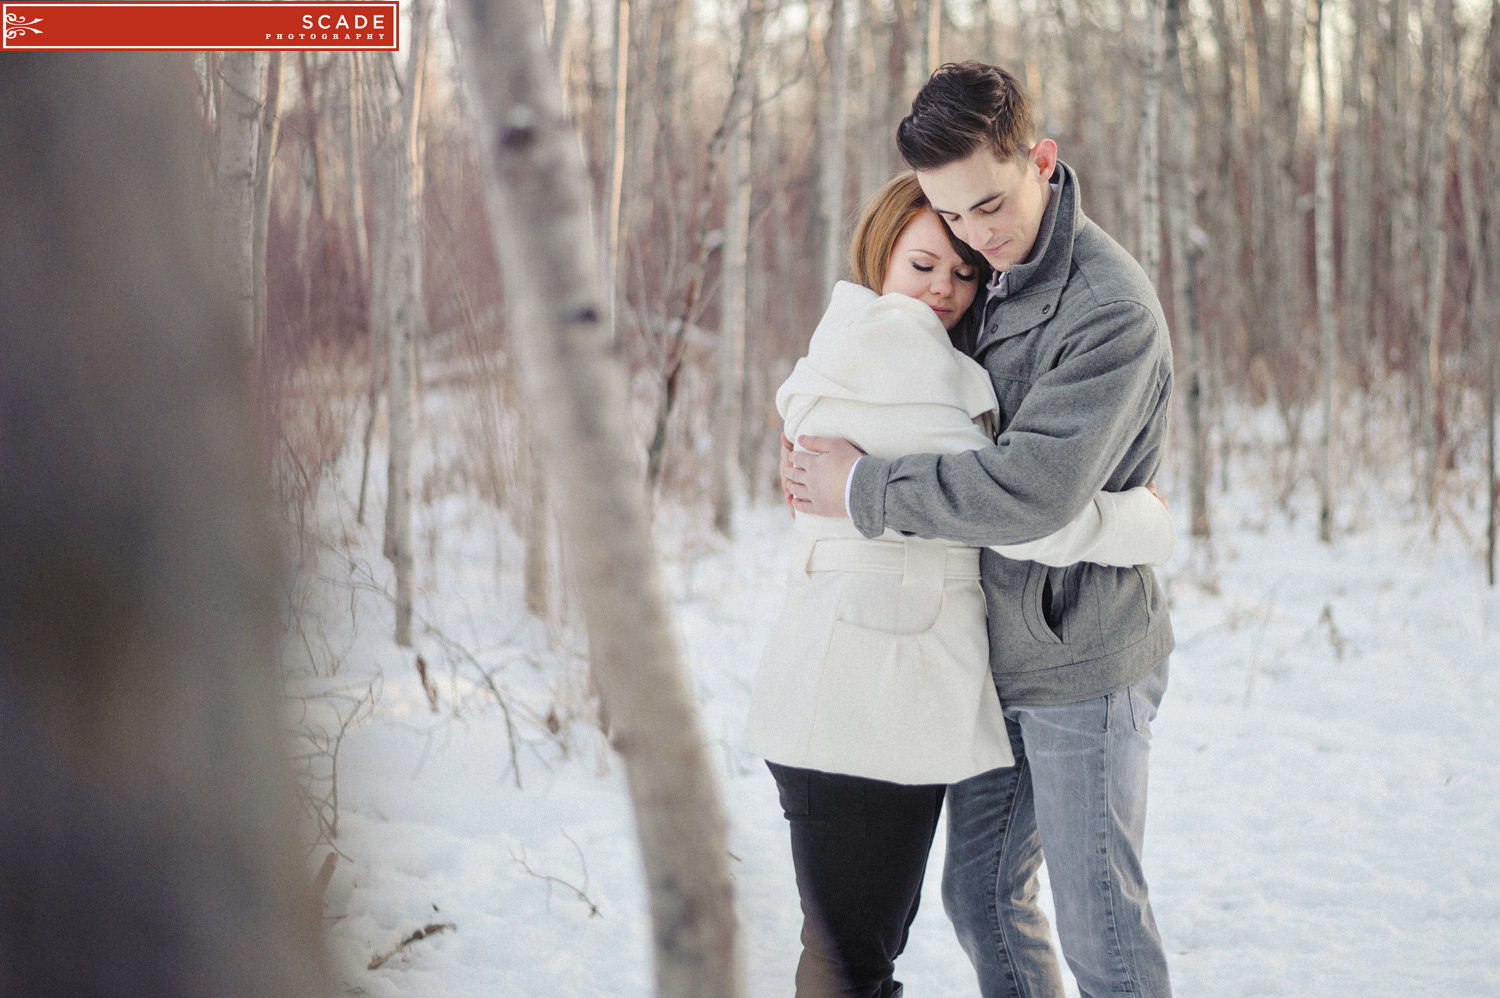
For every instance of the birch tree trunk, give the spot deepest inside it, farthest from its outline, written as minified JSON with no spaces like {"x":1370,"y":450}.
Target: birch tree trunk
{"x":1148,"y":250}
{"x":1180,"y":201}
{"x":730,"y":352}
{"x":617,"y":159}
{"x":831,"y":146}
{"x":265,"y":161}
{"x":405,"y":310}
{"x":148,"y":824}
{"x":1323,"y":254}
{"x":365,"y":266}
{"x":539,"y":214}
{"x":239,"y":119}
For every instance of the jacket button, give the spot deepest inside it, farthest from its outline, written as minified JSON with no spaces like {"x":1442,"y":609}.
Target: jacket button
{"x":1046,"y":309}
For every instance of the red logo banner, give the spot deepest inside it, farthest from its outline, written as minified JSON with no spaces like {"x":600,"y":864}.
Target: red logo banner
{"x":200,"y":26}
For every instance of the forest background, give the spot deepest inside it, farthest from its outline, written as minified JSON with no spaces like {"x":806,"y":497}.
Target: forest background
{"x":1312,"y":185}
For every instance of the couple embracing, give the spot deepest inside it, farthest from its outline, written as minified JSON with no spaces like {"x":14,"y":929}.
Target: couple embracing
{"x":971,"y":616}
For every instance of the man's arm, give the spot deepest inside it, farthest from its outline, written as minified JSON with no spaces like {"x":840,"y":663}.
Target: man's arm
{"x":1065,"y":443}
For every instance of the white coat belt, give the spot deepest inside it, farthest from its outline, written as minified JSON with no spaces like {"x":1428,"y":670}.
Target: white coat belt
{"x":920,"y":562}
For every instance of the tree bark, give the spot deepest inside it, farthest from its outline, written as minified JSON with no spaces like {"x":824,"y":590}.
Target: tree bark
{"x":1148,"y":249}
{"x":1434,"y":246}
{"x":1323,"y":256}
{"x":934,"y":34}
{"x":265,"y":161}
{"x":148,"y":825}
{"x":239,"y":120}
{"x":539,"y":213}
{"x":831,"y":146}
{"x":405,"y":310}
{"x":1490,"y":328}
{"x":1181,"y":198}
{"x":617,"y":159}
{"x":1358,"y":212}
{"x":730,"y":352}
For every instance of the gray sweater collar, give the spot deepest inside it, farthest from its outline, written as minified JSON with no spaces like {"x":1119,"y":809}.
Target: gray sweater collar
{"x":1031,"y":289}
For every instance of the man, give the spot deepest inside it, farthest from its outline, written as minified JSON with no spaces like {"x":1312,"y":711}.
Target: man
{"x":1075,"y":340}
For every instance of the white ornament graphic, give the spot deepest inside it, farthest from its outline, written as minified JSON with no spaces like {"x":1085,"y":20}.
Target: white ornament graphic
{"x":16,"y":25}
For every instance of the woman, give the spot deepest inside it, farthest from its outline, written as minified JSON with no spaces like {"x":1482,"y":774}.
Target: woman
{"x":875,"y":689}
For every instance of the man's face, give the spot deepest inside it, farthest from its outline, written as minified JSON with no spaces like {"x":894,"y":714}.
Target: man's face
{"x":994,"y":205}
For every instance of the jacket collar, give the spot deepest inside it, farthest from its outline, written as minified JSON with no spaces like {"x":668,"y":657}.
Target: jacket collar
{"x":1033,"y":288}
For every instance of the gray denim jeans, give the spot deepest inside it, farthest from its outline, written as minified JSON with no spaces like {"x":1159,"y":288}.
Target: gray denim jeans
{"x":1078,"y":795}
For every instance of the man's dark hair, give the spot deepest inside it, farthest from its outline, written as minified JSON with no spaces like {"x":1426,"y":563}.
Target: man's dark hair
{"x":965,"y":105}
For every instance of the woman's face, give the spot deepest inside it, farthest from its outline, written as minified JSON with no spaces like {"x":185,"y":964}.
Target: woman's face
{"x":925,"y":266}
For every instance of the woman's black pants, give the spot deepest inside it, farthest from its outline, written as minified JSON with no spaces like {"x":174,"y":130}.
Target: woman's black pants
{"x":860,"y":850}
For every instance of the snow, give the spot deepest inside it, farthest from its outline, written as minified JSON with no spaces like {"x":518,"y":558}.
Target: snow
{"x":1325,"y":806}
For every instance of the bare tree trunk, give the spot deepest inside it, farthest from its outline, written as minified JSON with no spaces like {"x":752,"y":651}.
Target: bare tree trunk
{"x":831,"y":146}
{"x":1434,"y":245}
{"x":1148,"y":249}
{"x":536,"y":531}
{"x":1358,"y":213}
{"x":617,"y":158}
{"x":539,"y":213}
{"x":364,"y":267}
{"x":1478,"y":304}
{"x":1181,"y":198}
{"x":934,"y":34}
{"x":557,"y":40}
{"x":239,"y":119}
{"x":355,"y":152}
{"x":1323,"y":254}
{"x":405,"y":311}
{"x":1228,"y":225}
{"x":265,"y":160}
{"x":730,"y":353}
{"x":1401,"y":197}
{"x":148,"y":825}
{"x":1490,"y":328}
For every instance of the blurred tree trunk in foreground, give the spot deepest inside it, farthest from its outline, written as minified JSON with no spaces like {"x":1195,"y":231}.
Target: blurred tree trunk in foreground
{"x":537,"y":195}
{"x":147,"y":824}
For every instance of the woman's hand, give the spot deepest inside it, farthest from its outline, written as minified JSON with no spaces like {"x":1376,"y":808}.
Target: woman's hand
{"x":1150,"y":487}
{"x":786,"y":466}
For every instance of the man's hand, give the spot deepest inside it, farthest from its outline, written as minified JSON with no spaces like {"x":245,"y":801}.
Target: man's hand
{"x":814,"y":477}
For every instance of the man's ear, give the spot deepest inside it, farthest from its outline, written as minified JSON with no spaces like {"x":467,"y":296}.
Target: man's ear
{"x":1044,"y":155}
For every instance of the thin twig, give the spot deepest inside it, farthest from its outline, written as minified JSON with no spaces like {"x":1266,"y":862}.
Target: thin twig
{"x":549,"y":880}
{"x":427,"y":930}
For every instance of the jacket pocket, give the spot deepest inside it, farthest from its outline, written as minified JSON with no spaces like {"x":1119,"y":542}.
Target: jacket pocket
{"x":1041,"y":602}
{"x":877,"y":601}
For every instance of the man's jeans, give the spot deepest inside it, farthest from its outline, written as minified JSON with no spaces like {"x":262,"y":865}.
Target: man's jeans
{"x":1077,"y":793}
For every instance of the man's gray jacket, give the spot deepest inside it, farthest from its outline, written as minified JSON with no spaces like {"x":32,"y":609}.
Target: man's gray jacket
{"x":1078,"y":350}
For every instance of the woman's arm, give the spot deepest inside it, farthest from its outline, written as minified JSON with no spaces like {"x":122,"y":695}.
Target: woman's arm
{"x":1117,"y":528}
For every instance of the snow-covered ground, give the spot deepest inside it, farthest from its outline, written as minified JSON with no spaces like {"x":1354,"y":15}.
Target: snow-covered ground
{"x":1325,"y":808}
